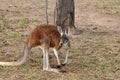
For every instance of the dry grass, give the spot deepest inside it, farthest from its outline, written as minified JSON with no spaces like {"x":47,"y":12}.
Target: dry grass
{"x":95,"y":53}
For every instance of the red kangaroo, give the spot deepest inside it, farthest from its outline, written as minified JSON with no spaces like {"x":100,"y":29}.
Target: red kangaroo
{"x":46,"y":37}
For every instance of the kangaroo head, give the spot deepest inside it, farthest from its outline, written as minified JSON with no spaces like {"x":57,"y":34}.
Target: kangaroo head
{"x":64,"y":40}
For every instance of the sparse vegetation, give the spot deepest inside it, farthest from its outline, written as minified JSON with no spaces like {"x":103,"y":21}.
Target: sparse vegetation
{"x":94,"y":54}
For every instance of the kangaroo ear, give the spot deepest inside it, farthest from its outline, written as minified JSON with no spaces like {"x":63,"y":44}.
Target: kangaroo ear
{"x":66,"y":32}
{"x":60,"y":30}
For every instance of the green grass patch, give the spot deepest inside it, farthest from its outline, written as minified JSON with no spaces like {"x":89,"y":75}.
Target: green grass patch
{"x":118,"y":40}
{"x":22,"y":22}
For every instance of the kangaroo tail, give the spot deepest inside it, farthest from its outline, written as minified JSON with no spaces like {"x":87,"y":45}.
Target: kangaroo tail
{"x":19,"y":62}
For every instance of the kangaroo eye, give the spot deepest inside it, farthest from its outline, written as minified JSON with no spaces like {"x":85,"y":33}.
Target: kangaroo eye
{"x":66,"y":38}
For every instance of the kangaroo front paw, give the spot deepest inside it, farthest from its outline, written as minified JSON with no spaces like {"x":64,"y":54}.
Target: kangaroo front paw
{"x":63,"y":64}
{"x":59,"y":66}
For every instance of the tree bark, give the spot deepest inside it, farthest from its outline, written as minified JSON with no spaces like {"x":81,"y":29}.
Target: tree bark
{"x":64,"y":14}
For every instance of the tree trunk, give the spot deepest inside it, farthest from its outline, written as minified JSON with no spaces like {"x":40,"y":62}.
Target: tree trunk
{"x":64,"y":15}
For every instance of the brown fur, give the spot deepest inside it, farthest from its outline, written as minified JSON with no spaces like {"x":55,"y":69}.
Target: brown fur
{"x":46,"y":36}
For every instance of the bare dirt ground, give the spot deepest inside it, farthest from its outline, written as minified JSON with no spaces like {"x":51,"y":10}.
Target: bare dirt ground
{"x":95,"y":53}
